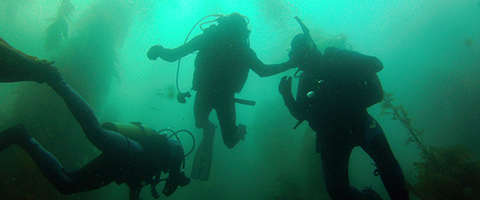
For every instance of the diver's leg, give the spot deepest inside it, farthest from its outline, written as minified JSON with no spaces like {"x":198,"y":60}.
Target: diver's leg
{"x":16,"y":66}
{"x":204,"y":154}
{"x":99,"y":172}
{"x":202,"y":109}
{"x":45,"y":161}
{"x":335,"y":153}
{"x":226,"y":113}
{"x":105,"y":140}
{"x":388,"y":167}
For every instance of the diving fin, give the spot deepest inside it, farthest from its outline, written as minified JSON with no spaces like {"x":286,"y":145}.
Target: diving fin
{"x":17,"y":66}
{"x":203,"y":157}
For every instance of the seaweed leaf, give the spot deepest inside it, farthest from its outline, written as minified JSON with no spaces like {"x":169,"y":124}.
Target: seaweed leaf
{"x":445,"y":172}
{"x":58,"y":30}
{"x":409,"y":140}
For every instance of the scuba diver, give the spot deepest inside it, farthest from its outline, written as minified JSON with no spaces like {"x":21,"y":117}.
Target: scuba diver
{"x":222,"y":64}
{"x":334,"y":91}
{"x":123,"y":160}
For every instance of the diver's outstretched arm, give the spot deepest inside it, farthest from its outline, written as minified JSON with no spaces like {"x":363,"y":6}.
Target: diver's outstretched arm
{"x":264,"y":70}
{"x":172,"y":55}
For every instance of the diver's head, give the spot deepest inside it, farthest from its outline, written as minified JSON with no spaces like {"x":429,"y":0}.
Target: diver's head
{"x":302,"y":49}
{"x":302,"y":43}
{"x":235,"y":24}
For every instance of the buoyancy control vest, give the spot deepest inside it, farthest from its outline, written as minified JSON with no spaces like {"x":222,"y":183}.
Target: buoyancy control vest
{"x":345,"y":81}
{"x":221,"y":64}
{"x":155,"y":145}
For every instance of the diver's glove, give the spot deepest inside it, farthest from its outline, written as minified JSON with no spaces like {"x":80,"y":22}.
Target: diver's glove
{"x":183,"y":180}
{"x":285,"y":86}
{"x":155,"y":52}
{"x":172,"y":183}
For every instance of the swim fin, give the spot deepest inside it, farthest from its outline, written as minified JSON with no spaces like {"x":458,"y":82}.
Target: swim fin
{"x":203,"y":157}
{"x":17,"y":66}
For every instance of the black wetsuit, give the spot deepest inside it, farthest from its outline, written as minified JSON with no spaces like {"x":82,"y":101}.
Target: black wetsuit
{"x":324,"y":99}
{"x":221,"y":70}
{"x":122,"y":160}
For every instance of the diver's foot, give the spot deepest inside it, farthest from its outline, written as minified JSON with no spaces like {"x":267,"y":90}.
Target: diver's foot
{"x":232,"y":140}
{"x":13,"y":135}
{"x":38,"y":71}
{"x":370,"y":194}
{"x":209,"y":130}
{"x":17,"y":66}
{"x":241,"y":132}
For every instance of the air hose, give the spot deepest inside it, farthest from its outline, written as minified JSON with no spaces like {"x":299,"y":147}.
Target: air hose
{"x":182,"y":95}
{"x":175,"y":133}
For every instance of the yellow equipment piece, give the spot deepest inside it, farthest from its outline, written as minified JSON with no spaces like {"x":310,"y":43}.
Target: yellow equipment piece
{"x":133,"y":130}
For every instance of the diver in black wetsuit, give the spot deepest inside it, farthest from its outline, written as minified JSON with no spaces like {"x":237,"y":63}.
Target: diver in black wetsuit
{"x":334,"y":91}
{"x":122,"y":160}
{"x":222,"y":65}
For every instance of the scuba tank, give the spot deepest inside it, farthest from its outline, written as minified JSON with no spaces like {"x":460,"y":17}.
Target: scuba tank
{"x":136,"y":131}
{"x":219,"y":19}
{"x":133,"y":130}
{"x":182,"y":95}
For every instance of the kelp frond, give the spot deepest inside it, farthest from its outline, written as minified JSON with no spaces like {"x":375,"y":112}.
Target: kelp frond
{"x":444,"y":172}
{"x":58,"y":30}
{"x":399,"y":113}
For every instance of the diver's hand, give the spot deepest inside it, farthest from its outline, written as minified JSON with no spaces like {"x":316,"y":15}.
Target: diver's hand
{"x":285,"y":86}
{"x":174,"y":181}
{"x":154,"y":52}
{"x":169,"y":188}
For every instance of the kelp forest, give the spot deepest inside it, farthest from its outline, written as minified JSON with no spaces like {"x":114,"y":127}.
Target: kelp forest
{"x":430,"y":112}
{"x":88,"y":62}
{"x":449,"y":172}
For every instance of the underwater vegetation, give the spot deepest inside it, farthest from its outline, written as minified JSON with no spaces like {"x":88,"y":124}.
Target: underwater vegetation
{"x":58,"y":30}
{"x":338,"y":41}
{"x":444,"y":172}
{"x":87,"y":61}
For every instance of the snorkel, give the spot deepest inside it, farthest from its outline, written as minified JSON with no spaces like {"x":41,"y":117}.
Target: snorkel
{"x":305,"y":30}
{"x":298,"y":44}
{"x":302,"y":44}
{"x":307,"y":38}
